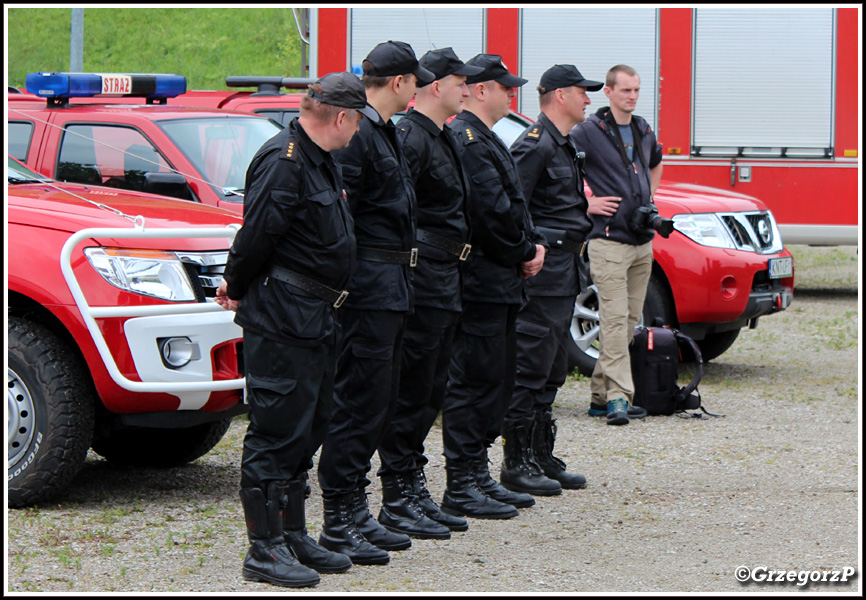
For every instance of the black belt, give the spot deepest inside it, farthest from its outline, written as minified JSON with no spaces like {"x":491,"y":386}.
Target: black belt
{"x":556,"y":238}
{"x":389,"y":256}
{"x":320,"y":290}
{"x":459,"y":250}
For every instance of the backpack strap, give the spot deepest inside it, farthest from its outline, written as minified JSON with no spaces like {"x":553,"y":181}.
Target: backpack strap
{"x":685,"y":396}
{"x":688,"y":397}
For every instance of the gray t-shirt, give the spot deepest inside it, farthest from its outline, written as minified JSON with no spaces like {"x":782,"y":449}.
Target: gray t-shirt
{"x":627,"y":136}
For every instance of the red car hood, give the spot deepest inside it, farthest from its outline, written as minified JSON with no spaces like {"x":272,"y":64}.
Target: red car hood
{"x":675,"y":198}
{"x":69,"y":207}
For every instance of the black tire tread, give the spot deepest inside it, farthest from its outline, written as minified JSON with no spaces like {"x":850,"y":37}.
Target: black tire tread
{"x":63,"y":377}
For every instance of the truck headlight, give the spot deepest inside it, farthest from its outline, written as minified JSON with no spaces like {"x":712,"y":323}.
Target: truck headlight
{"x":148,"y":272}
{"x":705,"y":229}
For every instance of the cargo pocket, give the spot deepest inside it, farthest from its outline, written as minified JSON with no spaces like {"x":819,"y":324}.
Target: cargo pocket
{"x":534,"y":352}
{"x":483,"y":350}
{"x":270,"y":402}
{"x":366,"y":388}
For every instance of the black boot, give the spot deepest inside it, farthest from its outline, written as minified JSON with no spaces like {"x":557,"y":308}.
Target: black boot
{"x":491,"y":487}
{"x":340,"y":534}
{"x":400,"y":512}
{"x":372,"y":530}
{"x":519,"y":472}
{"x":268,"y":558}
{"x":305,"y":549}
{"x":543,"y":440}
{"x":464,"y":497}
{"x":429,"y":506}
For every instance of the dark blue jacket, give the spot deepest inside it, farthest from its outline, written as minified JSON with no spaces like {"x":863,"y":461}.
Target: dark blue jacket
{"x":608,"y":174}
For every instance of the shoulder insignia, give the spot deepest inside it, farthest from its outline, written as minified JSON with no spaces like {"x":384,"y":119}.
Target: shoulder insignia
{"x":469,"y":135}
{"x":289,"y":150}
{"x":535,"y":133}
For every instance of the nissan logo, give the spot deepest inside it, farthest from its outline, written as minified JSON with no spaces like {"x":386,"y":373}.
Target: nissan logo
{"x":764,"y":231}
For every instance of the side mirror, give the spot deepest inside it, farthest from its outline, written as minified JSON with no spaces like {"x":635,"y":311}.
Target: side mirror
{"x":167,"y":184}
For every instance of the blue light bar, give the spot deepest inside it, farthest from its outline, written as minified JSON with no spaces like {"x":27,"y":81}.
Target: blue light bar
{"x":87,"y":85}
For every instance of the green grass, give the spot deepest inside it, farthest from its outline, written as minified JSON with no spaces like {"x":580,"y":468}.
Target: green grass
{"x":204,"y":44}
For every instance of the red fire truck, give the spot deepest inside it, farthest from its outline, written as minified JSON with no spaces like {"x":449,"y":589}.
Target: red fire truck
{"x":760,"y":101}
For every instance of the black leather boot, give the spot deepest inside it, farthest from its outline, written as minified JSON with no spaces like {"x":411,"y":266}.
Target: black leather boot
{"x":543,"y":440}
{"x":429,"y":506}
{"x":463,"y":496}
{"x":519,"y":472}
{"x":305,"y":549}
{"x":340,"y":534}
{"x":400,"y":512}
{"x":491,"y":487}
{"x":268,"y":559}
{"x":372,"y":530}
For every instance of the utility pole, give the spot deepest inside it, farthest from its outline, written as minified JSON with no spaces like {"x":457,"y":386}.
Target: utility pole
{"x":76,"y":41}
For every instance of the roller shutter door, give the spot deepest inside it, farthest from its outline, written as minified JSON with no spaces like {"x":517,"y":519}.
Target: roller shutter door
{"x":593,"y":40}
{"x":422,"y":28}
{"x":763,"y":81}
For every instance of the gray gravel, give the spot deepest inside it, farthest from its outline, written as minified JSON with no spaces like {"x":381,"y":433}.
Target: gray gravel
{"x":673,"y":505}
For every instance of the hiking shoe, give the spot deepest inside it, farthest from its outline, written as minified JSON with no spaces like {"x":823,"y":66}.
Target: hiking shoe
{"x":600,"y":410}
{"x":617,"y":412}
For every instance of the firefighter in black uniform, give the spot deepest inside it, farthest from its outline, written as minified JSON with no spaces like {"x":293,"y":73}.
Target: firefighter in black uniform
{"x":441,"y":188}
{"x":551,"y":172}
{"x":286,"y":271}
{"x":506,"y":249}
{"x":382,"y":201}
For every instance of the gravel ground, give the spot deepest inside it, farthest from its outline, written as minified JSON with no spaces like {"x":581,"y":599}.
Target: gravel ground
{"x":673,"y":505}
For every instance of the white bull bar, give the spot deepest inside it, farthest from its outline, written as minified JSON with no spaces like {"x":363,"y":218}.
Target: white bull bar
{"x":90,"y":314}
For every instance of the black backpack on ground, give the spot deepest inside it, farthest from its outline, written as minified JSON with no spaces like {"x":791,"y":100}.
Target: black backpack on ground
{"x":655,"y":358}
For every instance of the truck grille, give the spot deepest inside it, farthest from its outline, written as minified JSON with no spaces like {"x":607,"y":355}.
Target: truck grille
{"x":755,"y":232}
{"x":205,"y":270}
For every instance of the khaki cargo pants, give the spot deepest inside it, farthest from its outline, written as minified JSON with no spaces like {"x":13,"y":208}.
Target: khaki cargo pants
{"x":621,"y":273}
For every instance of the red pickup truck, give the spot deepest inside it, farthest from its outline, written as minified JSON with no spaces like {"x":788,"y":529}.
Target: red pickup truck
{"x":114,"y":340}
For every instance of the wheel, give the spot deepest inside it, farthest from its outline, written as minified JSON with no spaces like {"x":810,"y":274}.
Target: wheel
{"x":51,"y":406}
{"x":157,"y":447}
{"x":716,"y":344}
{"x":583,"y":346}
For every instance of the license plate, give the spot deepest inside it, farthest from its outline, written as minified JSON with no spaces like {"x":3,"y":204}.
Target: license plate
{"x":781,"y":267}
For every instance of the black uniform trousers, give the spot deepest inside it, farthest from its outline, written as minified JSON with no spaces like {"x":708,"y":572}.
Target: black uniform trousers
{"x":423,"y":379}
{"x":290,"y":392}
{"x":543,"y":325}
{"x":481,"y":379}
{"x":367,"y":380}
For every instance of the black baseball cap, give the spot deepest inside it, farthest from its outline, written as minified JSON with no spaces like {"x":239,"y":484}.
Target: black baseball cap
{"x":493,"y":70}
{"x":561,"y":76}
{"x":395,"y":58}
{"x":443,"y":62}
{"x":344,"y":89}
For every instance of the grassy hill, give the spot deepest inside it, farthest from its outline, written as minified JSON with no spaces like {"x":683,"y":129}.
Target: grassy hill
{"x":204,"y":44}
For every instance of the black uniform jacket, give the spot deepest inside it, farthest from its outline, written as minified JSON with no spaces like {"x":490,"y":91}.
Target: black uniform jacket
{"x":382,"y":201}
{"x":441,"y":188}
{"x":553,"y":184}
{"x":295,"y":217}
{"x":609,"y":174}
{"x":502,"y":233}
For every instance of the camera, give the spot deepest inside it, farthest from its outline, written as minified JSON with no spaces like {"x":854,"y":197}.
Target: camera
{"x":646,"y":219}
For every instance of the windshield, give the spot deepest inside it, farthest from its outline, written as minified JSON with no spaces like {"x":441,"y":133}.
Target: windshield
{"x":18,"y":173}
{"x":221,"y":148}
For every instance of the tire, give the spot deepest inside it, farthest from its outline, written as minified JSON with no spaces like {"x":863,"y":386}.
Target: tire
{"x":51,"y":403}
{"x":716,"y":344}
{"x":153,"y":447}
{"x":583,"y":345}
